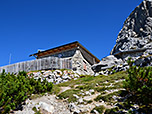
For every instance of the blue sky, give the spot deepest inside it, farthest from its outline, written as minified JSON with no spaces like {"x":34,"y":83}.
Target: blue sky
{"x":29,"y":25}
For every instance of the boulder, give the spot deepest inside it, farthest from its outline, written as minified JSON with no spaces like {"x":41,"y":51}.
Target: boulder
{"x":145,"y":61}
{"x":46,"y":107}
{"x":80,"y":100}
{"x":91,"y":91}
{"x":76,"y":96}
{"x":88,"y":93}
{"x":66,"y":77}
{"x":73,"y":108}
{"x":107,"y":63}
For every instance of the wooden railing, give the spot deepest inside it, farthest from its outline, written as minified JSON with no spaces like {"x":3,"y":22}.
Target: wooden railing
{"x":39,"y":64}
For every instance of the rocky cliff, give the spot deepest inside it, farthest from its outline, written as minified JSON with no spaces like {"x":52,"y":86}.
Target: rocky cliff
{"x":136,"y":32}
{"x":134,"y":40}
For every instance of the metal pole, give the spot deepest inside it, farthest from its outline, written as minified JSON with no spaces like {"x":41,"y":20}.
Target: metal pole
{"x":10,"y":59}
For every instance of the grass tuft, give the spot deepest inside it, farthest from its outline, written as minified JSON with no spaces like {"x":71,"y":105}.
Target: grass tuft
{"x":100,"y":109}
{"x":68,"y":94}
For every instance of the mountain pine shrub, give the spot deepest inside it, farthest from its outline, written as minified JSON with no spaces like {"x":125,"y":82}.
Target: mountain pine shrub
{"x":139,"y":84}
{"x":15,"y":89}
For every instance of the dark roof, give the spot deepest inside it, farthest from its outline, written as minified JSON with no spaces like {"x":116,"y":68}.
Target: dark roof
{"x":64,"y":47}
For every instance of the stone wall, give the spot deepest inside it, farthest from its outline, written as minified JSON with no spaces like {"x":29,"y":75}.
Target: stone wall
{"x":80,"y":65}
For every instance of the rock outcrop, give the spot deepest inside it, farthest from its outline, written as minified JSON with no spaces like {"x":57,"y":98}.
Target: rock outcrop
{"x":136,"y":33}
{"x":106,"y":63}
{"x":54,"y":76}
{"x":134,"y":40}
{"x":47,"y":104}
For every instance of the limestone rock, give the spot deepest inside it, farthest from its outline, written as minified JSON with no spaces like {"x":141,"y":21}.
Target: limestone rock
{"x":76,"y":96}
{"x":46,"y":107}
{"x":137,"y":30}
{"x":80,"y":100}
{"x":56,"y":77}
{"x":134,"y":40}
{"x":73,"y":108}
{"x":106,"y":63}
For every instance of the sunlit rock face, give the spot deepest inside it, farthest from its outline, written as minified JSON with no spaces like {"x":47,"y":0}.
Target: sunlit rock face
{"x":134,"y":40}
{"x":137,"y":30}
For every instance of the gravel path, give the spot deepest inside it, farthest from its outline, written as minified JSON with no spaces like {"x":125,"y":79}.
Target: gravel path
{"x":56,"y":106}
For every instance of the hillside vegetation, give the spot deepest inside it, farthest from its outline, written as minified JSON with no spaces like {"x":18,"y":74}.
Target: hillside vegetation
{"x":15,"y":89}
{"x":123,"y":92}
{"x":99,"y":93}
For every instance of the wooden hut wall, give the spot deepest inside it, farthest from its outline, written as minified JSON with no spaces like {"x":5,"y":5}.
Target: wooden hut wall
{"x":39,"y":64}
{"x":87,"y":56}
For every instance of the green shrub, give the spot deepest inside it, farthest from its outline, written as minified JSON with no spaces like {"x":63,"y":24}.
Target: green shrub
{"x":89,"y":102}
{"x":69,"y":94}
{"x":108,"y":97}
{"x":139,"y":84}
{"x":36,"y":111}
{"x":112,"y":110}
{"x":101,"y":89}
{"x":15,"y":89}
{"x":100,"y":109}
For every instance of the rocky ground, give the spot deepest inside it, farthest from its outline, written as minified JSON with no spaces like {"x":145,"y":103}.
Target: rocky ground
{"x":54,"y":76}
{"x":85,"y":95}
{"x":47,"y":104}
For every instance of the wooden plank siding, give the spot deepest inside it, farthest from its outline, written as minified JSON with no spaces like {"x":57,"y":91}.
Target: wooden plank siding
{"x":87,"y":56}
{"x":39,"y":64}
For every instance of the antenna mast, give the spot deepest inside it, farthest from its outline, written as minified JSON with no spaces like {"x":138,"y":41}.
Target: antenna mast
{"x":10,"y":58}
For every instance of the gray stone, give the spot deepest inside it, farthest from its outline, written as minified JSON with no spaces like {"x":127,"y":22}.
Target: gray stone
{"x":75,"y":78}
{"x":58,"y":73}
{"x":96,"y":112}
{"x":106,"y":63}
{"x":134,"y":40}
{"x":145,"y":61}
{"x":35,"y":77}
{"x":91,"y":91}
{"x":137,"y":30}
{"x":82,"y":94}
{"x":47,"y":107}
{"x":46,"y":73}
{"x":80,"y":100}
{"x":76,"y":75}
{"x":66,"y":77}
{"x":87,"y":93}
{"x":50,"y":80}
{"x":73,"y":108}
{"x":65,"y":81}
{"x":76,"y":96}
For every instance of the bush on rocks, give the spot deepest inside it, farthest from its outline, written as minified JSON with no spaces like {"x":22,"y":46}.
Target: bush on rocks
{"x":98,"y":109}
{"x":15,"y":89}
{"x":111,"y":111}
{"x":139,"y":84}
